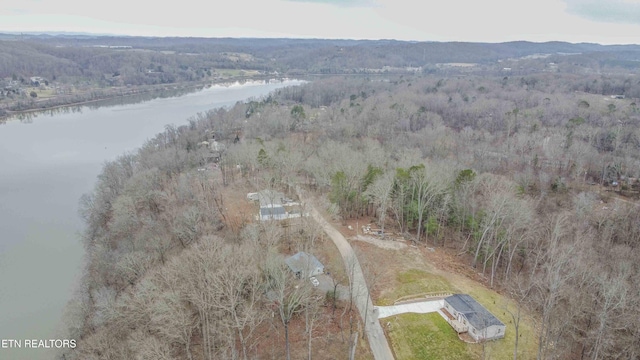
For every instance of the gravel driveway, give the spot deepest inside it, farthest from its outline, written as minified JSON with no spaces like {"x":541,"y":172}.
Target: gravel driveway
{"x":375,"y":335}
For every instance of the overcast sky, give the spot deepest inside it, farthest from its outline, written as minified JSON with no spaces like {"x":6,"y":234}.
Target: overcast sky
{"x":601,"y":21}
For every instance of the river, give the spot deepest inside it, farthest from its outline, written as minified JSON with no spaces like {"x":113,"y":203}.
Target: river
{"x":47,"y":161}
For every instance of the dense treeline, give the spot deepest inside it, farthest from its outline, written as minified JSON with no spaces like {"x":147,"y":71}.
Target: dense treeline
{"x":101,"y":66}
{"x":495,"y":168}
{"x":141,"y":61}
{"x":500,"y":169}
{"x":163,"y":278}
{"x":42,"y":71}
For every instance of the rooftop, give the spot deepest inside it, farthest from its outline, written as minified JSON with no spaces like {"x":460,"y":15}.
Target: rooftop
{"x":475,"y":313}
{"x":303,"y":263}
{"x":272,"y":211}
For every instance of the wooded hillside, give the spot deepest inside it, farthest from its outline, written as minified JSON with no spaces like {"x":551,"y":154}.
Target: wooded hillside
{"x":531,"y":179}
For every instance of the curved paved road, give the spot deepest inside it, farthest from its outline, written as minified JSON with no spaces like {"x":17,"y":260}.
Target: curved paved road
{"x":377,"y":340}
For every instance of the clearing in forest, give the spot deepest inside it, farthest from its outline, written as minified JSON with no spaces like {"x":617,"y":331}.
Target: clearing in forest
{"x":415,"y":272}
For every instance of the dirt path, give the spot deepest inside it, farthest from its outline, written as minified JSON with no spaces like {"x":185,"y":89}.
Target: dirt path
{"x":377,"y":339}
{"x":383,"y":244}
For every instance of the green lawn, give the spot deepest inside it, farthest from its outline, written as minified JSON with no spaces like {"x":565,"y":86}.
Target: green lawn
{"x":42,"y":93}
{"x":236,"y":72}
{"x":425,"y":337}
{"x":414,"y":282}
{"x":428,"y":336}
{"x":503,"y":349}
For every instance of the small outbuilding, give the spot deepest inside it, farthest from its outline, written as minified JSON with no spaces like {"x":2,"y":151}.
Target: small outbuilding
{"x":304,"y":265}
{"x":465,"y":314}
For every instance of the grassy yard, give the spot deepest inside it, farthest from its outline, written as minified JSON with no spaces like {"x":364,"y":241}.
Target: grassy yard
{"x":497,"y":304}
{"x":42,"y":93}
{"x":414,"y":282}
{"x":236,"y":72}
{"x":408,"y":273}
{"x":428,"y":336}
{"x":425,"y":337}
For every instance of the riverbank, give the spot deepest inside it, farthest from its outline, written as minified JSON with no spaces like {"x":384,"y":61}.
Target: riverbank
{"x":96,"y":95}
{"x":49,"y":164}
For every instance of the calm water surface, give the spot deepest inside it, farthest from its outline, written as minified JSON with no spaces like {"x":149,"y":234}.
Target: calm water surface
{"x":47,"y":162}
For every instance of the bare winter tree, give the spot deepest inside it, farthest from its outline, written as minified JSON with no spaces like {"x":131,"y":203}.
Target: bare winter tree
{"x":196,"y":277}
{"x":313,"y":311}
{"x":290,"y":295}
{"x":238,"y":293}
{"x":553,"y":284}
{"x":520,"y":288}
{"x":381,"y":194}
{"x":613,"y":290}
{"x":422,"y":194}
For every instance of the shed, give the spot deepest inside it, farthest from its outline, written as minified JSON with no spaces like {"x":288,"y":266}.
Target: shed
{"x":465,"y":314}
{"x":304,"y":265}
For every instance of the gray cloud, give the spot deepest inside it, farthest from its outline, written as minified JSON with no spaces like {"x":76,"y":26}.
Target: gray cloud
{"x":339,"y":2}
{"x":610,"y":11}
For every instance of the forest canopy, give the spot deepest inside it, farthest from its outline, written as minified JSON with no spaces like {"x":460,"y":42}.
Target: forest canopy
{"x":525,"y":170}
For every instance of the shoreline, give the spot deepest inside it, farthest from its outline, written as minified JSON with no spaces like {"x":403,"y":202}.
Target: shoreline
{"x":119,"y":94}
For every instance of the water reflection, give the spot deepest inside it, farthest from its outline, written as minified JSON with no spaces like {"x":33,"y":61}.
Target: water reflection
{"x":45,"y":168}
{"x":125,"y":98}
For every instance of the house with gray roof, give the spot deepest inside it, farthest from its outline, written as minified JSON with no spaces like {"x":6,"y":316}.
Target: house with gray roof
{"x":304,"y":265}
{"x":273,"y":213}
{"x":465,"y":314}
{"x":275,"y":206}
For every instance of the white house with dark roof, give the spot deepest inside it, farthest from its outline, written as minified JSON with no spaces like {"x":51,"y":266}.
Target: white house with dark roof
{"x":465,"y":314}
{"x":304,"y":265}
{"x":273,"y":213}
{"x":275,"y":206}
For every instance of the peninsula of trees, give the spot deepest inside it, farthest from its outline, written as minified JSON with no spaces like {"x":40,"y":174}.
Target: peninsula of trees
{"x":524,"y":171}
